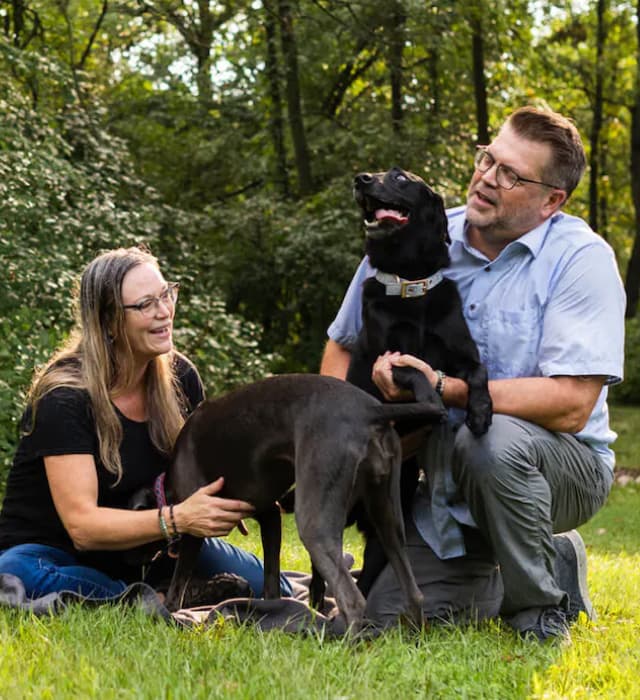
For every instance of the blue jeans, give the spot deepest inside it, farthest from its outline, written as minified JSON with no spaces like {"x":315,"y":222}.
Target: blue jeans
{"x":43,"y":569}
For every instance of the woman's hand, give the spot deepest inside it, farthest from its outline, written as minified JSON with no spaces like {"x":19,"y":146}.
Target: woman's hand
{"x":204,"y":514}
{"x":383,"y":378}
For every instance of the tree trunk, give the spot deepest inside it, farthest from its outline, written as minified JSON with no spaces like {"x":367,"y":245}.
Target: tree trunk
{"x":18,"y":21}
{"x":276,"y":119}
{"x":15,"y":23}
{"x":632,"y":282}
{"x":396,"y":51}
{"x":596,"y":122}
{"x":479,"y":79}
{"x":294,"y":102}
{"x":201,"y":47}
{"x":434,"y":81}
{"x":603,"y":204}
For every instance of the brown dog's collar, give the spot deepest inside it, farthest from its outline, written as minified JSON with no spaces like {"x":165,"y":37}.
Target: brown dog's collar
{"x":396,"y":286}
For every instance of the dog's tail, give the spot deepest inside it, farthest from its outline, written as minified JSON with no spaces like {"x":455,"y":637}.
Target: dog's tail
{"x":430,"y":412}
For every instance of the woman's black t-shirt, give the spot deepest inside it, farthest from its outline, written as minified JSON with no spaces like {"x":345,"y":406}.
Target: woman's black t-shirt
{"x":64,"y":425}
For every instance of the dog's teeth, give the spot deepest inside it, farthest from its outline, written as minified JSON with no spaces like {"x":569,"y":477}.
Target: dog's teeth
{"x":371,"y":224}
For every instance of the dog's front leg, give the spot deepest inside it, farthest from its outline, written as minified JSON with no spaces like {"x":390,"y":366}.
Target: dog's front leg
{"x":271,"y":533}
{"x":479,"y":405}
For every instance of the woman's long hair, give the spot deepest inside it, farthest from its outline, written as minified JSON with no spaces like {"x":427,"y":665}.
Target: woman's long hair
{"x":97,"y":357}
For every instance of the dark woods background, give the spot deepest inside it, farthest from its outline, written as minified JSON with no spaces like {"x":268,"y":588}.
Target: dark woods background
{"x":225,"y":135}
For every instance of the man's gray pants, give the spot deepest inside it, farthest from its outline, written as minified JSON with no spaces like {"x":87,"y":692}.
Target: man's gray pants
{"x":521,"y":484}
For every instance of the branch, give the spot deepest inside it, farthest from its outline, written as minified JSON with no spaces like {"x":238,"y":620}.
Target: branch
{"x":94,"y":34}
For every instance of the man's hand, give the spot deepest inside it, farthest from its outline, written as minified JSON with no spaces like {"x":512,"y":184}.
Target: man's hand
{"x":382,"y":374}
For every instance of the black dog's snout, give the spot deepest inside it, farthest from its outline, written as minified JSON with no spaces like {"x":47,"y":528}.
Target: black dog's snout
{"x":363,"y":179}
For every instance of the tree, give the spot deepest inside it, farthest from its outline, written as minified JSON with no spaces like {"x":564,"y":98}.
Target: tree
{"x":294,"y":101}
{"x":597,"y":119}
{"x":479,"y":78}
{"x":21,"y":23}
{"x":197,"y":23}
{"x":632,"y":282}
{"x":67,"y":191}
{"x":247,"y":121}
{"x":276,"y":118}
{"x":396,"y":42}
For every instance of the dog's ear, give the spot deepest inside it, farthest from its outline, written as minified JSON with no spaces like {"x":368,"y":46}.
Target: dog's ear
{"x":441,"y":218}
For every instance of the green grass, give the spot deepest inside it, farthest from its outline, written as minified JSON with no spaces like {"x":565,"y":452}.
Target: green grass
{"x":120,"y":653}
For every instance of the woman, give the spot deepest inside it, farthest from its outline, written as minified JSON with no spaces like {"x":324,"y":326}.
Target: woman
{"x":101,"y":420}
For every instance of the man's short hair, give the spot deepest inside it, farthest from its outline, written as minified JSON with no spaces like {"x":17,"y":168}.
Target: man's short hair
{"x":568,"y":160}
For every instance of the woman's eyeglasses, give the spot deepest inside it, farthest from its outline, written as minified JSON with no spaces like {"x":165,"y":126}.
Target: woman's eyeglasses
{"x":149,"y":305}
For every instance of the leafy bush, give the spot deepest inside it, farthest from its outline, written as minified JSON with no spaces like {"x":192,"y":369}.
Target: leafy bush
{"x":286,"y":265}
{"x":66,"y":193}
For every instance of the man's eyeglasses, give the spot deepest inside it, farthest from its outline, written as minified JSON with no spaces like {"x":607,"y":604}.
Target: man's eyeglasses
{"x":505,"y":177}
{"x":148,"y":306}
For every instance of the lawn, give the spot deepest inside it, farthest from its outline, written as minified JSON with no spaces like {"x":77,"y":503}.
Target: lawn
{"x":117,"y":653}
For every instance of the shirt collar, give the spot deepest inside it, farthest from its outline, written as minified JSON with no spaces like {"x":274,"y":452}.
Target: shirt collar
{"x":532,"y":240}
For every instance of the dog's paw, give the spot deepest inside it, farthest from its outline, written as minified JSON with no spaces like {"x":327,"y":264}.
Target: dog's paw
{"x":478,"y":422}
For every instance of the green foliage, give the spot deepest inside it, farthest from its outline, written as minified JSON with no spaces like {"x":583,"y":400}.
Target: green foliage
{"x":106,"y":140}
{"x":68,"y":191}
{"x":286,"y":265}
{"x":625,"y":421}
{"x":629,"y":390}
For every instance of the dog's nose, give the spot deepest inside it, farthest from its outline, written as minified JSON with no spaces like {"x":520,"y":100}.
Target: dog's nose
{"x":363,"y":179}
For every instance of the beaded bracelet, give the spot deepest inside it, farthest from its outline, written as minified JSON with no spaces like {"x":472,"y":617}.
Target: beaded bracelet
{"x":163,"y":525}
{"x":174,"y":527}
{"x":440,"y":383}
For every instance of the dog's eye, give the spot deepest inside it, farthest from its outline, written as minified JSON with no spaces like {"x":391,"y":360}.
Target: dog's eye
{"x":401,"y":178}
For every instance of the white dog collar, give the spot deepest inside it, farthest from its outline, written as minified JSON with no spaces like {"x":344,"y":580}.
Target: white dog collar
{"x":396,"y":286}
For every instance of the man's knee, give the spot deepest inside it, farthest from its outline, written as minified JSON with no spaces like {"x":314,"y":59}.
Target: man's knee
{"x":504,"y":448}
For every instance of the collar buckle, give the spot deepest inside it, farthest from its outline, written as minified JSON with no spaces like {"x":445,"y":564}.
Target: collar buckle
{"x":408,"y":289}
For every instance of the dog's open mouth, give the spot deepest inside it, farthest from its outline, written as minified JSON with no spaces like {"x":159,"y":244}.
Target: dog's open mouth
{"x":382,"y":218}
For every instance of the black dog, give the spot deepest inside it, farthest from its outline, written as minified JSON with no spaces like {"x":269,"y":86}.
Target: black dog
{"x":411,"y":308}
{"x":329,"y":437}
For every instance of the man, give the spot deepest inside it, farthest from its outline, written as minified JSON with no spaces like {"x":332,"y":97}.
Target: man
{"x":544,"y":302}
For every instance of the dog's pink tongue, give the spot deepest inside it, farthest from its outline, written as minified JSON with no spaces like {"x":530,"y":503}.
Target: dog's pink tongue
{"x":391,"y":215}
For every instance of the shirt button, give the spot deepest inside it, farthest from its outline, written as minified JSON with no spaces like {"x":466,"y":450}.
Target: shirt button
{"x":472,"y":307}
{"x":487,"y":268}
